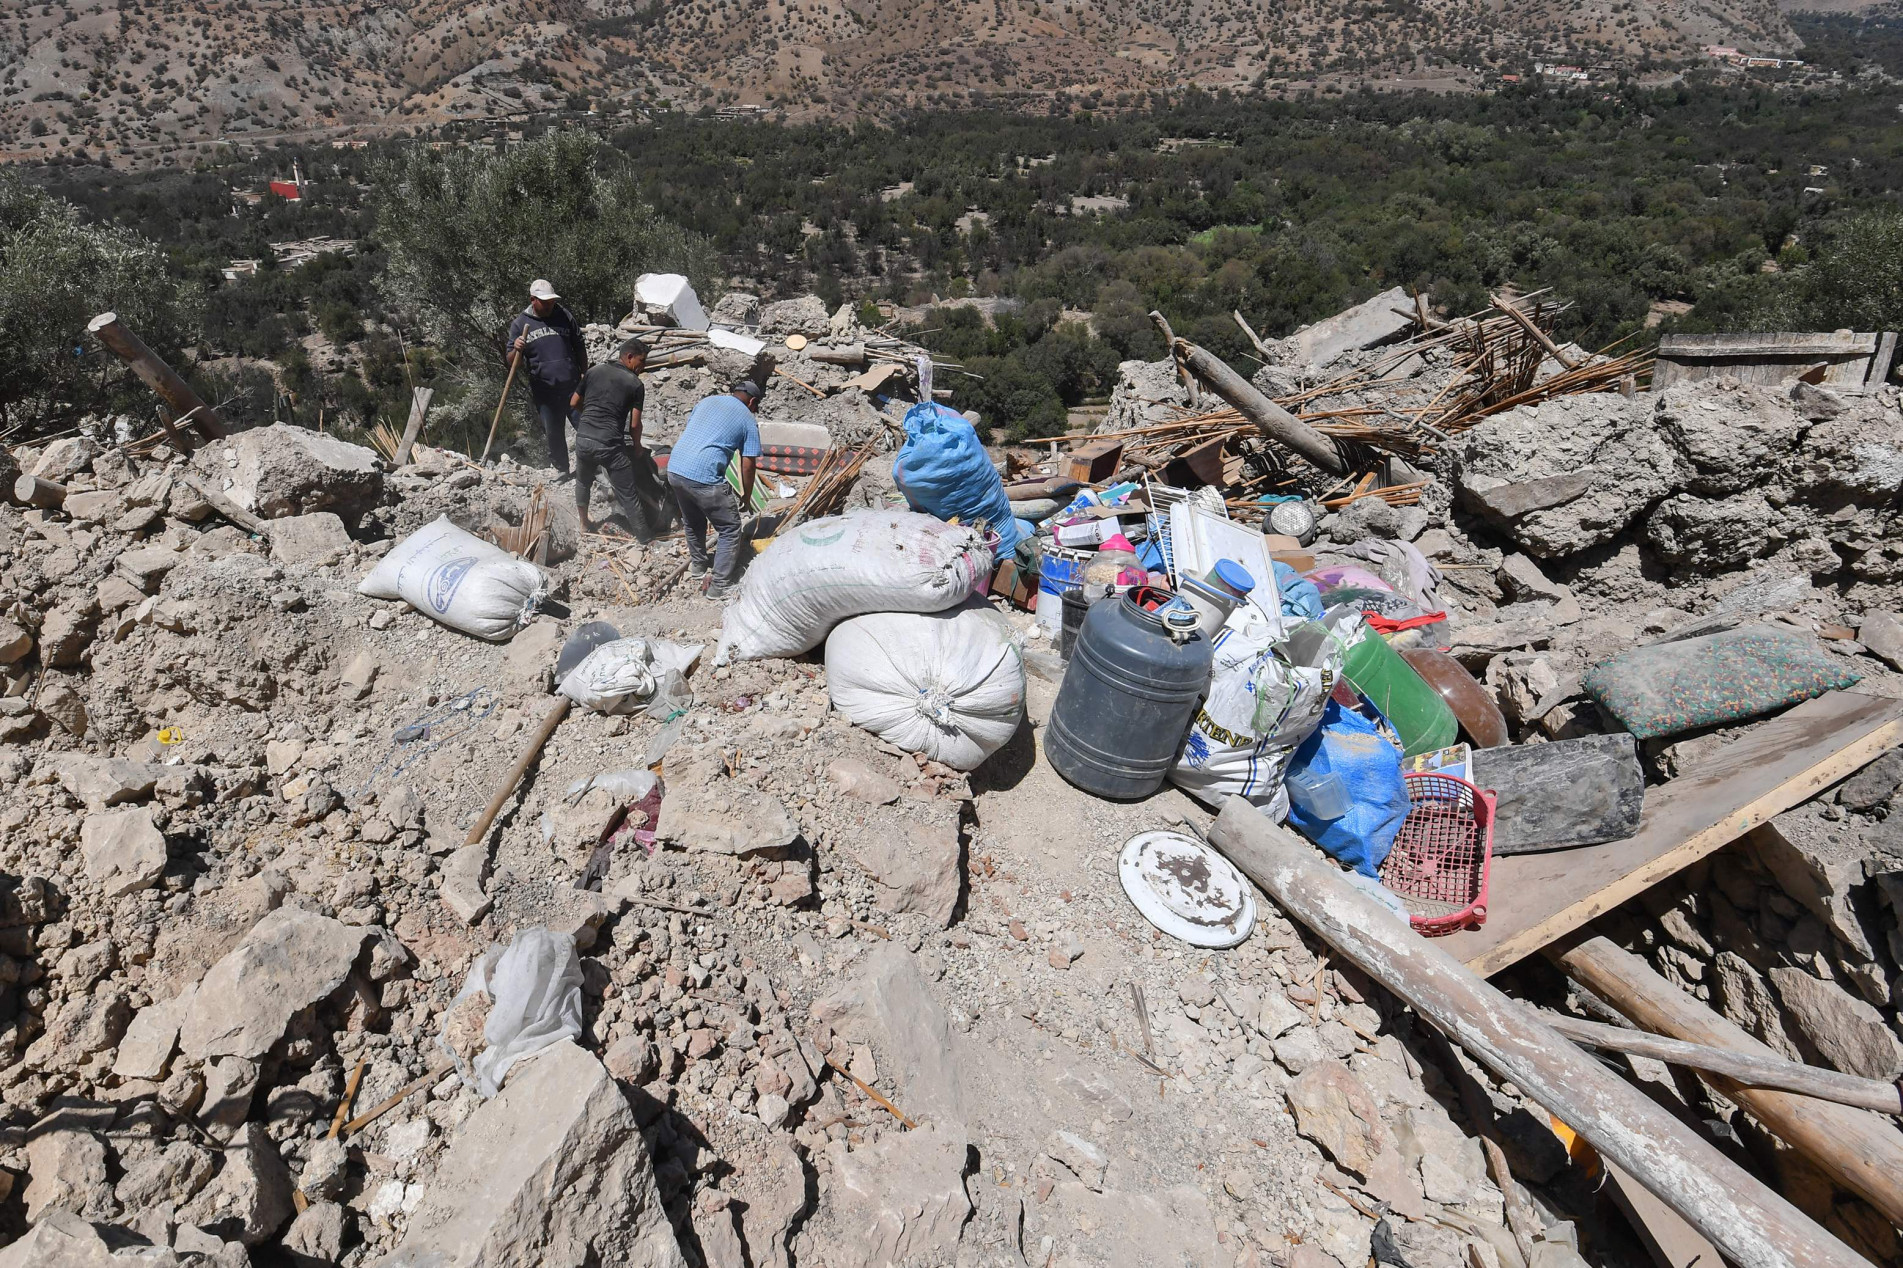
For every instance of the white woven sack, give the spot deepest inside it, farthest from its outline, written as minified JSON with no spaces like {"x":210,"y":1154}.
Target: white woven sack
{"x":947,"y":684}
{"x":460,"y":580}
{"x":827,"y":570}
{"x":1257,"y":712}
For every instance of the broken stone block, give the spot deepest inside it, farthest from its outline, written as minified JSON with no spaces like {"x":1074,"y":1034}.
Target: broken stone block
{"x":1333,"y":1109}
{"x":1818,"y":863}
{"x":459,"y":880}
{"x":173,"y":1175}
{"x":915,"y":867}
{"x":150,"y":1040}
{"x":1873,"y":786}
{"x":61,"y":1239}
{"x":84,"y":1025}
{"x":289,"y":960}
{"x":146,"y":568}
{"x":15,"y":643}
{"x":1367,"y":325}
{"x":105,"y":781}
{"x":1522,"y":580}
{"x":722,"y":817}
{"x":358,"y":676}
{"x":250,"y":1198}
{"x":317,"y":1235}
{"x":858,"y":779}
{"x":66,"y":458}
{"x":553,"y":1169}
{"x":890,"y":1005}
{"x":326,"y":1168}
{"x":288,"y":470}
{"x":231,"y":1084}
{"x":66,"y":1171}
{"x":804,"y":315}
{"x":904,"y":1196}
{"x":124,"y":851}
{"x":1846,"y":1031}
{"x":1882,"y":633}
{"x":1412,"y":1244}
{"x":63,"y":705}
{"x":302,"y":539}
{"x":66,"y":633}
{"x":1084,"y":1159}
{"x":1595,"y":461}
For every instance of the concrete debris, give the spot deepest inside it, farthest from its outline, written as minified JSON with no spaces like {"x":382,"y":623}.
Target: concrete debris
{"x":285,"y":470}
{"x":902,"y":1199}
{"x":233,"y":798}
{"x":123,"y":849}
{"x":553,"y":1168}
{"x":289,"y":960}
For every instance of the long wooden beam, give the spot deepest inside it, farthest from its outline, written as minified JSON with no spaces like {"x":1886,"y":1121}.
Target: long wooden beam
{"x":1751,"y":1069}
{"x":186,"y":405}
{"x":1751,"y":1225}
{"x":1270,"y":419}
{"x":1862,"y":1152}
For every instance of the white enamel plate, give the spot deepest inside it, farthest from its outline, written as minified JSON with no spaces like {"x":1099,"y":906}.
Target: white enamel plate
{"x":1187,"y":889}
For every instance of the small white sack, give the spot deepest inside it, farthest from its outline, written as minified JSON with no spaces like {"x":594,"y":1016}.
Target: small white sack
{"x":459,"y":579}
{"x":1258,"y":710}
{"x":536,"y":984}
{"x":843,"y":566}
{"x":947,"y":684}
{"x":621,"y":676}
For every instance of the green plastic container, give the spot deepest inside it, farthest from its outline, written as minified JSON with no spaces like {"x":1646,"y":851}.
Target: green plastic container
{"x":1420,"y":717}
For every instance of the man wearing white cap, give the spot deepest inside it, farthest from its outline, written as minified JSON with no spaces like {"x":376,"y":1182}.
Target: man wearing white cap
{"x":547,"y":337}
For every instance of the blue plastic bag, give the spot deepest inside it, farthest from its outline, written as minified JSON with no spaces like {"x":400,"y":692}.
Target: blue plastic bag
{"x":1348,"y":745}
{"x":1300,"y":597}
{"x":943,"y":471}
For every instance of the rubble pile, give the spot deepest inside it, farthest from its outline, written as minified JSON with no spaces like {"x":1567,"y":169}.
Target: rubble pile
{"x":808,"y":997}
{"x":235,"y":801}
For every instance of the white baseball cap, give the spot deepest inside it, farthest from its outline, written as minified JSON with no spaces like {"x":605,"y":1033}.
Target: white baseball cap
{"x":540,"y":289}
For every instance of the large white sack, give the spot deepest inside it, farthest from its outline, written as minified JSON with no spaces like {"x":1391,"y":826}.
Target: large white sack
{"x":827,"y":570}
{"x":946,"y":684}
{"x":461,"y":580}
{"x":1259,"y":709}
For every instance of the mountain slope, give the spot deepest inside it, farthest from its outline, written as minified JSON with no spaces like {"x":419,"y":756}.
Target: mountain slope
{"x":152,"y":77}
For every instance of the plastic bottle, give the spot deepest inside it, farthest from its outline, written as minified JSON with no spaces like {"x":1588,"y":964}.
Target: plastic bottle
{"x":1319,"y":794}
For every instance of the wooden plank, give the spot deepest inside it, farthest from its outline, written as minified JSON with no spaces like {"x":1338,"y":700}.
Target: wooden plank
{"x":1535,"y":898}
{"x":1673,"y":1242}
{"x":1881,"y":362}
{"x":1798,"y":346}
{"x":1860,"y":1150}
{"x":1750,"y":1225}
{"x":419,"y":406}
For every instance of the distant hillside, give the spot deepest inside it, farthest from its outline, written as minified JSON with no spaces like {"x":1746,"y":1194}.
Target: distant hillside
{"x":148,"y":78}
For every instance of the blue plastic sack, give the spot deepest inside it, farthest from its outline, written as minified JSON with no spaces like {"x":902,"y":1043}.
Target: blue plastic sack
{"x":943,"y":471}
{"x":1348,"y":745}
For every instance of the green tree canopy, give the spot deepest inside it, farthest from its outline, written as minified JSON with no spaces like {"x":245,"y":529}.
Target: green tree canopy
{"x":56,"y":274}
{"x":466,"y":231}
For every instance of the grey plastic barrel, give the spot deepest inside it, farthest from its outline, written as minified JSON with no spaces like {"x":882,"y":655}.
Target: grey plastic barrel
{"x":1127,"y":701}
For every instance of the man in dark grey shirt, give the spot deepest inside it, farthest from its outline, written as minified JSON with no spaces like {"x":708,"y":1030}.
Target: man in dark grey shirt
{"x":608,"y":439}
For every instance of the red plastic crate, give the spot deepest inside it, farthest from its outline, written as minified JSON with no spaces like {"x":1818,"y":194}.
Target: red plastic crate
{"x":1442,"y":855}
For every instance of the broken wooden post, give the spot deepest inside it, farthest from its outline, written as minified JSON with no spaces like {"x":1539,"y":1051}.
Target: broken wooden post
{"x":1751,"y":1225}
{"x":1274,"y":422}
{"x":852,"y":354}
{"x":419,"y":406}
{"x":1748,"y":1068}
{"x":1525,"y":323}
{"x":30,"y":490}
{"x":1858,"y":1150}
{"x":160,"y":377}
